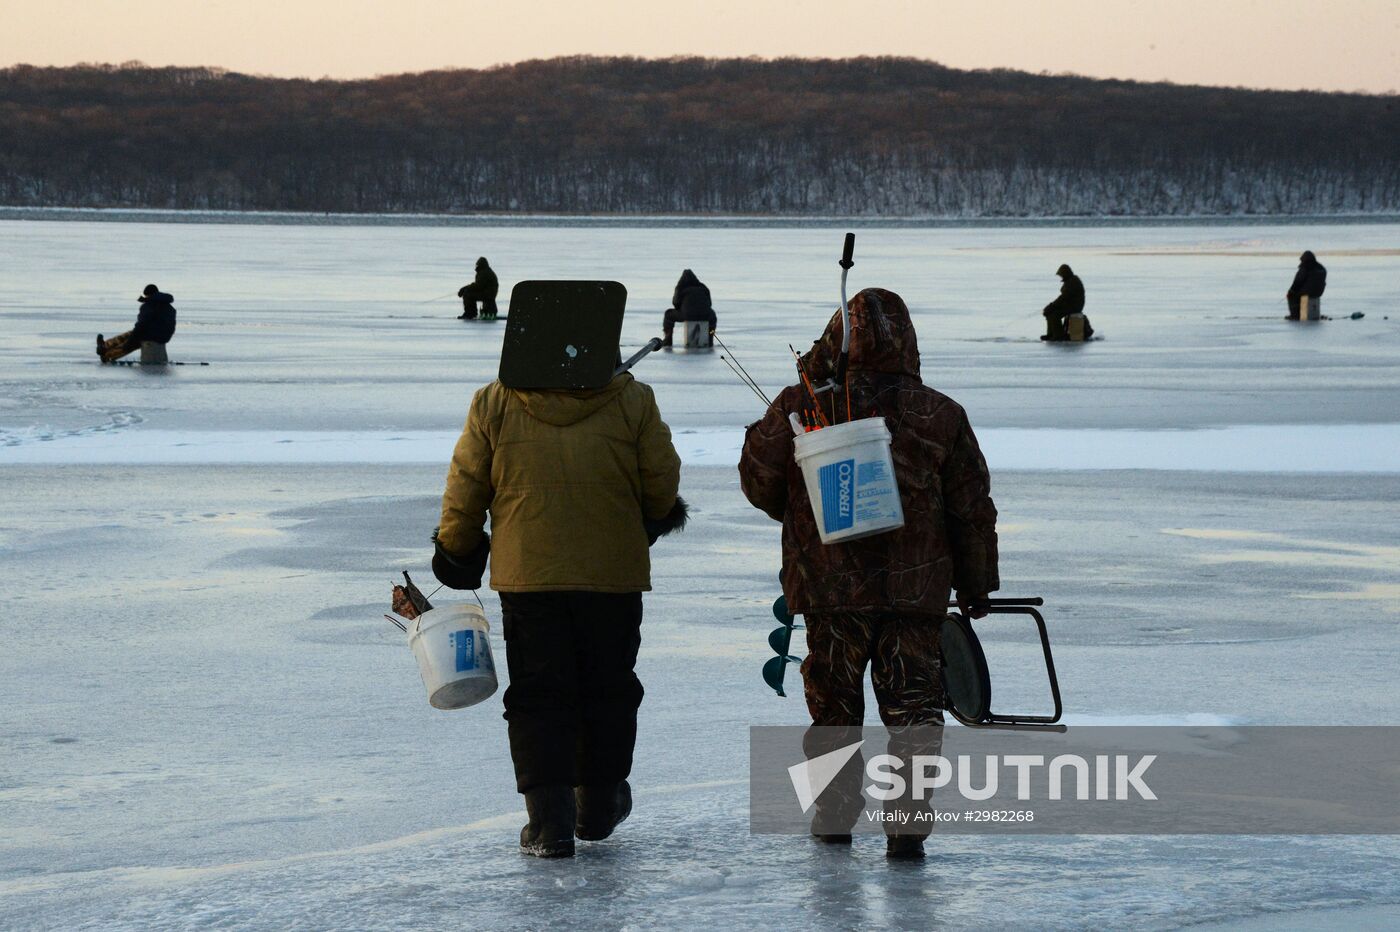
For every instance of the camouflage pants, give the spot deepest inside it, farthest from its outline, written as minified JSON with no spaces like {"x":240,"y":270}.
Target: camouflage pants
{"x":905,"y":668}
{"x":118,"y":346}
{"x":902,"y":652}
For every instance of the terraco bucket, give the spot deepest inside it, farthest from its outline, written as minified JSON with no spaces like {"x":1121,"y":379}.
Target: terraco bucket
{"x":850,"y":479}
{"x":453,"y":647}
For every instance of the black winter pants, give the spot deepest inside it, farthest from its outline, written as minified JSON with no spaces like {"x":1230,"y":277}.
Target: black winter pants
{"x":672,"y":316}
{"x":470,"y":299}
{"x":573,"y":696}
{"x":1055,"y":324}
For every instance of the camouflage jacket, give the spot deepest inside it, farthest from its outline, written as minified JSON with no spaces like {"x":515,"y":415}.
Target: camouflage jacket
{"x":949,"y":536}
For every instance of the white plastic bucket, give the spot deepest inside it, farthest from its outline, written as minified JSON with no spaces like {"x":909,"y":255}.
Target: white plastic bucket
{"x":453,"y":647}
{"x":850,"y":479}
{"x":696,"y":339}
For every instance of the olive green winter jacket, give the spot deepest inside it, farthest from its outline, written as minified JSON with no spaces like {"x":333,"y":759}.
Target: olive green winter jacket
{"x":567,"y":477}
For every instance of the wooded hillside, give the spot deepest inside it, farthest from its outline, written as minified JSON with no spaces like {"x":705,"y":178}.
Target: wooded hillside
{"x":873,"y":136}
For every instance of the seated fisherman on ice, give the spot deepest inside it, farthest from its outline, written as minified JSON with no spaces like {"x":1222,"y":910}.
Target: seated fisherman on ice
{"x":690,"y":301}
{"x":1070,"y":301}
{"x":1309,"y":281}
{"x":155,"y":323}
{"x":482,"y":290}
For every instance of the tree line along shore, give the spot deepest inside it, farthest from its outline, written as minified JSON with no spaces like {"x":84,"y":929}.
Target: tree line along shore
{"x":796,"y":137}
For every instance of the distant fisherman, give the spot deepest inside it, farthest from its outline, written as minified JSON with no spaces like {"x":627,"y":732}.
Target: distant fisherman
{"x":1309,"y":282}
{"x":690,"y":301}
{"x":481,"y":291}
{"x":155,"y":323}
{"x":1070,"y":301}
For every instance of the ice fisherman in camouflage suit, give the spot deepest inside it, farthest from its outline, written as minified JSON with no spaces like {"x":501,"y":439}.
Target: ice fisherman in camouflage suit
{"x":878,"y":601}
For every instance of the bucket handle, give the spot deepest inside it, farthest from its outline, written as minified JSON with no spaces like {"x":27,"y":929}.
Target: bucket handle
{"x":404,"y":628}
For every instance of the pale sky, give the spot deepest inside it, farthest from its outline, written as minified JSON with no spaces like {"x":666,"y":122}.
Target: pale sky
{"x":1337,"y":45}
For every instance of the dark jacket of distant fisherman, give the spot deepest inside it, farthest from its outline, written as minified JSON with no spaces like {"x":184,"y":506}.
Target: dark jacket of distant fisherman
{"x":155,"y":322}
{"x":949,"y":537}
{"x":1071,"y":299}
{"x":1311,"y":279}
{"x":691,"y":299}
{"x":484,"y":286}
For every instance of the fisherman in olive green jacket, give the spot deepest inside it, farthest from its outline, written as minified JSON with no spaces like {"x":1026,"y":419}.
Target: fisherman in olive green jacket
{"x":578,"y":484}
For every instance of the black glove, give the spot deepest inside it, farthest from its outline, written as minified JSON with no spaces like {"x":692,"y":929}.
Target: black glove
{"x":461,"y":572}
{"x":673,"y":521}
{"x":974,"y":606}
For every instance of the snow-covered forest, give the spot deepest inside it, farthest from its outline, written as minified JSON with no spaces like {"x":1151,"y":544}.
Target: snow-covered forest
{"x":874,"y":136}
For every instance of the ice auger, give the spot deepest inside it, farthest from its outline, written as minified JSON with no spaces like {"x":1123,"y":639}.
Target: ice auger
{"x":967,"y":683}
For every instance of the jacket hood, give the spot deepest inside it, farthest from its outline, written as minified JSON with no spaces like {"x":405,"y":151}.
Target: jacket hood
{"x":882,"y":339}
{"x":562,"y":408}
{"x":687,"y":280}
{"x":1307,"y":259}
{"x":160,"y":297}
{"x":482,"y":263}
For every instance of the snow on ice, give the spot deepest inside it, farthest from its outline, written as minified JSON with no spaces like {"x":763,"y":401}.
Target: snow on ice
{"x":206,"y":722}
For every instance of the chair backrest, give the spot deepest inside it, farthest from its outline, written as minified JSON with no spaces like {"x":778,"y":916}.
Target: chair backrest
{"x":562,"y":334}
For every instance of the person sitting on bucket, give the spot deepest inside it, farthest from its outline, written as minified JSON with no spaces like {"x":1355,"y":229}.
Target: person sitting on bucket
{"x":481,"y":291}
{"x":690,"y":301}
{"x":578,"y":484}
{"x":877,"y":600}
{"x":155,"y":323}
{"x":1310,"y":280}
{"x":1070,"y":301}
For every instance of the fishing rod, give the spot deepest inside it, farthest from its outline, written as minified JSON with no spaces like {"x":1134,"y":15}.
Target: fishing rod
{"x":811,"y":392}
{"x":847,"y":251}
{"x":758,"y":392}
{"x":739,"y":370}
{"x":846,"y":262}
{"x":839,"y":379}
{"x":450,"y":294}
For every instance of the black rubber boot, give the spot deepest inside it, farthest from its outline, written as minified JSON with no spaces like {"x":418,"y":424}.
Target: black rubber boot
{"x":904,"y":847}
{"x":550,"y":832}
{"x":100,"y":341}
{"x":601,"y":809}
{"x":833,"y":838}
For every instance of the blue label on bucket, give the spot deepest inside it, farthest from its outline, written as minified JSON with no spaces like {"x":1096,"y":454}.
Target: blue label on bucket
{"x":837,"y":481}
{"x":465,"y":643}
{"x":872,"y":472}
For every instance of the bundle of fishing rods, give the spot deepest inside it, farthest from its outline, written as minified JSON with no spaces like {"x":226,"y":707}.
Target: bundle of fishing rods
{"x":812,"y":416}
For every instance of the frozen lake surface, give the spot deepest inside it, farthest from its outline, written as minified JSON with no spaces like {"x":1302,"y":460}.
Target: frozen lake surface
{"x":206,"y":721}
{"x":1311,"y":448}
{"x":338,"y":328}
